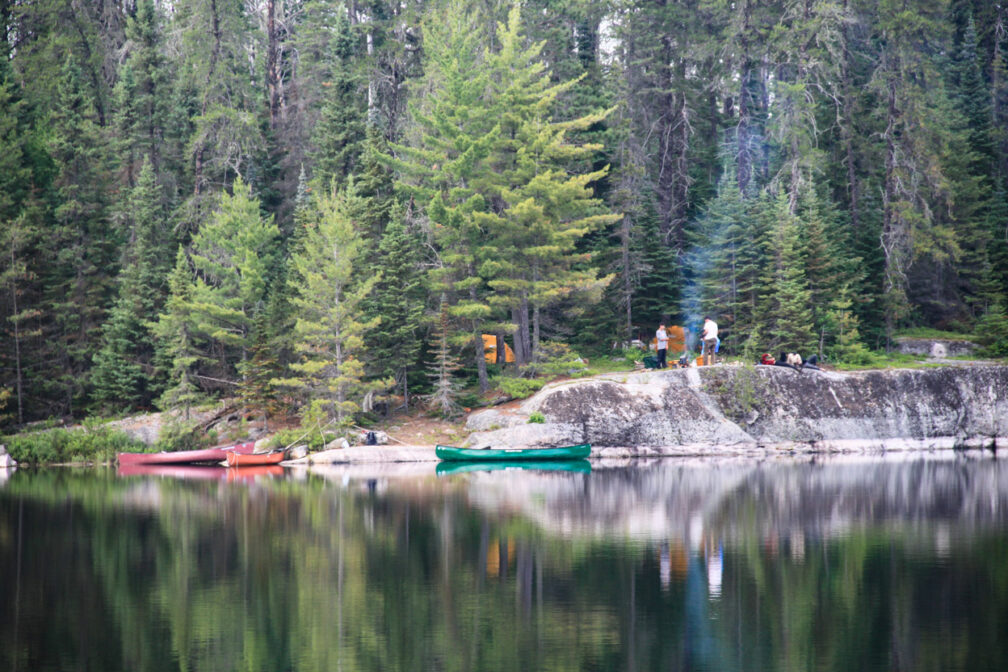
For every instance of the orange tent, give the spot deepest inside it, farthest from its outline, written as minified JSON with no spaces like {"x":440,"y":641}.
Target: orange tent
{"x":490,"y":350}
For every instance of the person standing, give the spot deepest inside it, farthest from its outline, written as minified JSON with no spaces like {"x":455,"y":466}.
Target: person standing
{"x":661,"y":339}
{"x":710,"y":341}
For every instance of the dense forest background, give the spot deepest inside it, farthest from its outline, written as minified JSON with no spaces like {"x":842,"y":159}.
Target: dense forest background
{"x":306,"y":203}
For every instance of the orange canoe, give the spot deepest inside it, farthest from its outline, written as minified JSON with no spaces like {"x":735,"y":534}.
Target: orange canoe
{"x":236,"y":459}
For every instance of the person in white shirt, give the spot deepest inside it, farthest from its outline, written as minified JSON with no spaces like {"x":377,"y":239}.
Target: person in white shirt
{"x":661,"y":339}
{"x":710,"y":340}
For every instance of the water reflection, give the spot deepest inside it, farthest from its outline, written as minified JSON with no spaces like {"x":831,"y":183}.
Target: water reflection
{"x":843,"y":564}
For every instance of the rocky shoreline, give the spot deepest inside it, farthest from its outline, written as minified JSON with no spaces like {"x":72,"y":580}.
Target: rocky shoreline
{"x":727,"y":411}
{"x":755,"y":410}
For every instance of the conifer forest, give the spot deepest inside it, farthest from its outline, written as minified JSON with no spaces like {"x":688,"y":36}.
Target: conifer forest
{"x":308,"y":205}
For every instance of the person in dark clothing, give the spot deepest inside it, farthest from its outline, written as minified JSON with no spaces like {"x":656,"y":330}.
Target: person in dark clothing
{"x":783,"y":362}
{"x":661,"y":341}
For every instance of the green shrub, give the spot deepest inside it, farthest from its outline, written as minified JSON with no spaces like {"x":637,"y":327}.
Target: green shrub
{"x":314,"y":438}
{"x":519,"y":388}
{"x":557,"y":359}
{"x":929,"y":333}
{"x":56,"y":446}
{"x":536,"y":418}
{"x":633,"y":355}
{"x":992,"y":332}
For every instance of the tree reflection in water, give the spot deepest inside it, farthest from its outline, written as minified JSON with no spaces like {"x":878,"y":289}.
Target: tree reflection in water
{"x":701,"y":565}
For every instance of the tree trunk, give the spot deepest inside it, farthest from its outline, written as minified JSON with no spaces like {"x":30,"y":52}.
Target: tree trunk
{"x":272,"y":65}
{"x":998,"y":92}
{"x":627,"y":275}
{"x":889,"y":219}
{"x":523,"y":346}
{"x":847,"y":132}
{"x":673,"y":146}
{"x":743,"y":135}
{"x":15,"y":320}
{"x":535,"y":331}
{"x":481,"y":367}
{"x":405,"y":389}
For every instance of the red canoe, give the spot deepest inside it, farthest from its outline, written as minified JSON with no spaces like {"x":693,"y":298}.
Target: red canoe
{"x":205,"y":455}
{"x":236,"y":459}
{"x":194,"y":472}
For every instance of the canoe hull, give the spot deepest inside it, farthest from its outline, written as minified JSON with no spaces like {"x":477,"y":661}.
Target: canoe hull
{"x":451,"y":453}
{"x":236,"y":459}
{"x":202,"y":456}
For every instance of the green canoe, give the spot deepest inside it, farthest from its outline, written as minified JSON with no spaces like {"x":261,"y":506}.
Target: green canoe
{"x":457,"y":467}
{"x":580,"y":451}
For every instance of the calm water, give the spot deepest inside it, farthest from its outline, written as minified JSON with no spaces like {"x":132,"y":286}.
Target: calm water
{"x":842,"y":564}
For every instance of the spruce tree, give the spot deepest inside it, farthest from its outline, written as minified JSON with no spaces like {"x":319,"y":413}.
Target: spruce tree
{"x":79,"y":278}
{"x":339,"y":135}
{"x":656,"y":290}
{"x":142,"y":96}
{"x":123,"y":372}
{"x":443,"y":368}
{"x":785,"y":305}
{"x":723,"y":266}
{"x":968,"y":162}
{"x":18,"y":238}
{"x":398,"y":298}
{"x":830,"y":268}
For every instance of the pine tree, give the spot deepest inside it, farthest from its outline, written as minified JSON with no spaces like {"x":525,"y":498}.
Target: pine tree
{"x":17,"y":237}
{"x":224,"y":136}
{"x":915,"y":113}
{"x":232,"y":256}
{"x":442,"y":369}
{"x":441,"y":166}
{"x":842,"y":323}
{"x":330,"y":323}
{"x":180,"y":351}
{"x":260,"y":369}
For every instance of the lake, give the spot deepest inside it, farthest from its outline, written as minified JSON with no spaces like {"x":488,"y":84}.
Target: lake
{"x":836,"y":563}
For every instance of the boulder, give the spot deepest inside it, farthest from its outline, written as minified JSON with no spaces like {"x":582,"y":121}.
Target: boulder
{"x":297,"y":452}
{"x":759,"y":406}
{"x":935,"y":348}
{"x":336,"y":444}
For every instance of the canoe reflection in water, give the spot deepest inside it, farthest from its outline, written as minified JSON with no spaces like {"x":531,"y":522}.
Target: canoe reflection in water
{"x":201,"y":473}
{"x":452,"y":467}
